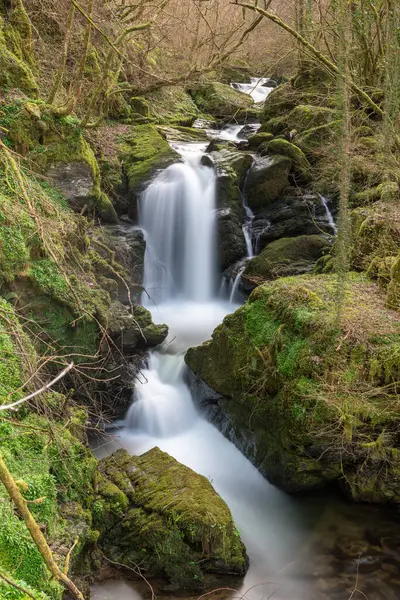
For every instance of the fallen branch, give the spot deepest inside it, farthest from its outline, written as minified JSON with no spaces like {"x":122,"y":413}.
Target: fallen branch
{"x":46,"y":387}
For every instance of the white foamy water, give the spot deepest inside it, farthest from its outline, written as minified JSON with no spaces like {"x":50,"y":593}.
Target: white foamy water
{"x":178,"y":217}
{"x":256,"y":88}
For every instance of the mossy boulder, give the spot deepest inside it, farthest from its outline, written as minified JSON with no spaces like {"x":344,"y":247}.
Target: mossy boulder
{"x":376,"y":239}
{"x":162,"y":515}
{"x":143,"y":151}
{"x":301,"y":119}
{"x":311,"y":140}
{"x":267,"y":179}
{"x":172,"y":105}
{"x":57,"y":147}
{"x":131,"y":330}
{"x":16,"y":51}
{"x":309,"y":398}
{"x":301,"y":168}
{"x":257,"y":139}
{"x":178,"y":133}
{"x":287,"y":256}
{"x":221,"y":100}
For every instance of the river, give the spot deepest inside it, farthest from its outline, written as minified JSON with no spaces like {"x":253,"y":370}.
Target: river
{"x":299,"y":549}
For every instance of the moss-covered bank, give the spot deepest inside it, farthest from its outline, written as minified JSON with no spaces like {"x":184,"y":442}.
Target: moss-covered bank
{"x":308,"y":400}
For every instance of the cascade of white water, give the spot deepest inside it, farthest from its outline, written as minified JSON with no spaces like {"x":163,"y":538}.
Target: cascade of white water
{"x":329,"y":216}
{"x":178,"y":219}
{"x":256,"y":88}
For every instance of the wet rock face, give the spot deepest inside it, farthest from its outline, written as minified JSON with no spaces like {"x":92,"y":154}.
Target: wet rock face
{"x":291,"y":215}
{"x":75,"y":181}
{"x":287,"y":256}
{"x":266,"y":181}
{"x":162,"y":515}
{"x":132,"y":331}
{"x":231,"y":242}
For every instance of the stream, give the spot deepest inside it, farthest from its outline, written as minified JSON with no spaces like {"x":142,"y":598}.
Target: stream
{"x":299,"y":548}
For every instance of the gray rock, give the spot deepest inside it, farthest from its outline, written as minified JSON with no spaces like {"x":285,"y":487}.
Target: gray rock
{"x":74,"y":180}
{"x":267,"y":179}
{"x":231,"y":242}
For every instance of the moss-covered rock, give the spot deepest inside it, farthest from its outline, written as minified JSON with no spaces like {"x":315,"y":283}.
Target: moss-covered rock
{"x":267,"y":179}
{"x":220,"y":100}
{"x":16,"y":51}
{"x":163,"y":516}
{"x":172,"y":105}
{"x":134,"y":329}
{"x":287,"y":256}
{"x":300,"y":165}
{"x":142,"y":151}
{"x":257,"y":139}
{"x":376,"y":239}
{"x":58,"y":149}
{"x":308,"y":398}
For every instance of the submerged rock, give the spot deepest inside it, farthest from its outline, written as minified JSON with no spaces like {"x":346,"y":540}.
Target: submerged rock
{"x":309,"y":399}
{"x":163,"y":516}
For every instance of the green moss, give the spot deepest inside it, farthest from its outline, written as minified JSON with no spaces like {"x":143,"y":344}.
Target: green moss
{"x":14,"y":255}
{"x":175,"y":525}
{"x":142,"y":152}
{"x":220,"y":100}
{"x":171,"y":104}
{"x":296,"y":382}
{"x":16,"y":54}
{"x":287,"y":256}
{"x":38,"y":457}
{"x":256,"y":140}
{"x":11,"y":368}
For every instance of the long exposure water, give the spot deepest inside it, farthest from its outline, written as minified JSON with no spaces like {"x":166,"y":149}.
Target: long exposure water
{"x":291,"y":543}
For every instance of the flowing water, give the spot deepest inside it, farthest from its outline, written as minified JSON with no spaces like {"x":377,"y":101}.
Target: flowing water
{"x":257,"y":88}
{"x":291,"y":543}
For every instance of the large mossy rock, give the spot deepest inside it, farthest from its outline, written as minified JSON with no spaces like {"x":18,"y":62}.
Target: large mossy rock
{"x":16,"y":50}
{"x":376,"y":239}
{"x":133,"y":329}
{"x":172,"y":105}
{"x":292,"y":214}
{"x":57,"y":147}
{"x":143,"y":151}
{"x":301,"y":168}
{"x":308,"y":398}
{"x":163,"y":516}
{"x":267,"y":179}
{"x":221,"y":100}
{"x":287,"y":256}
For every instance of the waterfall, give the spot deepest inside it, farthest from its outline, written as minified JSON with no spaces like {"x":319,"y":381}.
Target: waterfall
{"x":247,"y":229}
{"x":177,"y":214}
{"x":329,"y":216}
{"x":256,"y":88}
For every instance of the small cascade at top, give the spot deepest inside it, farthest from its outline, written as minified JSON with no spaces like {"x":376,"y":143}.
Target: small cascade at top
{"x":257,"y":88}
{"x":178,"y":219}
